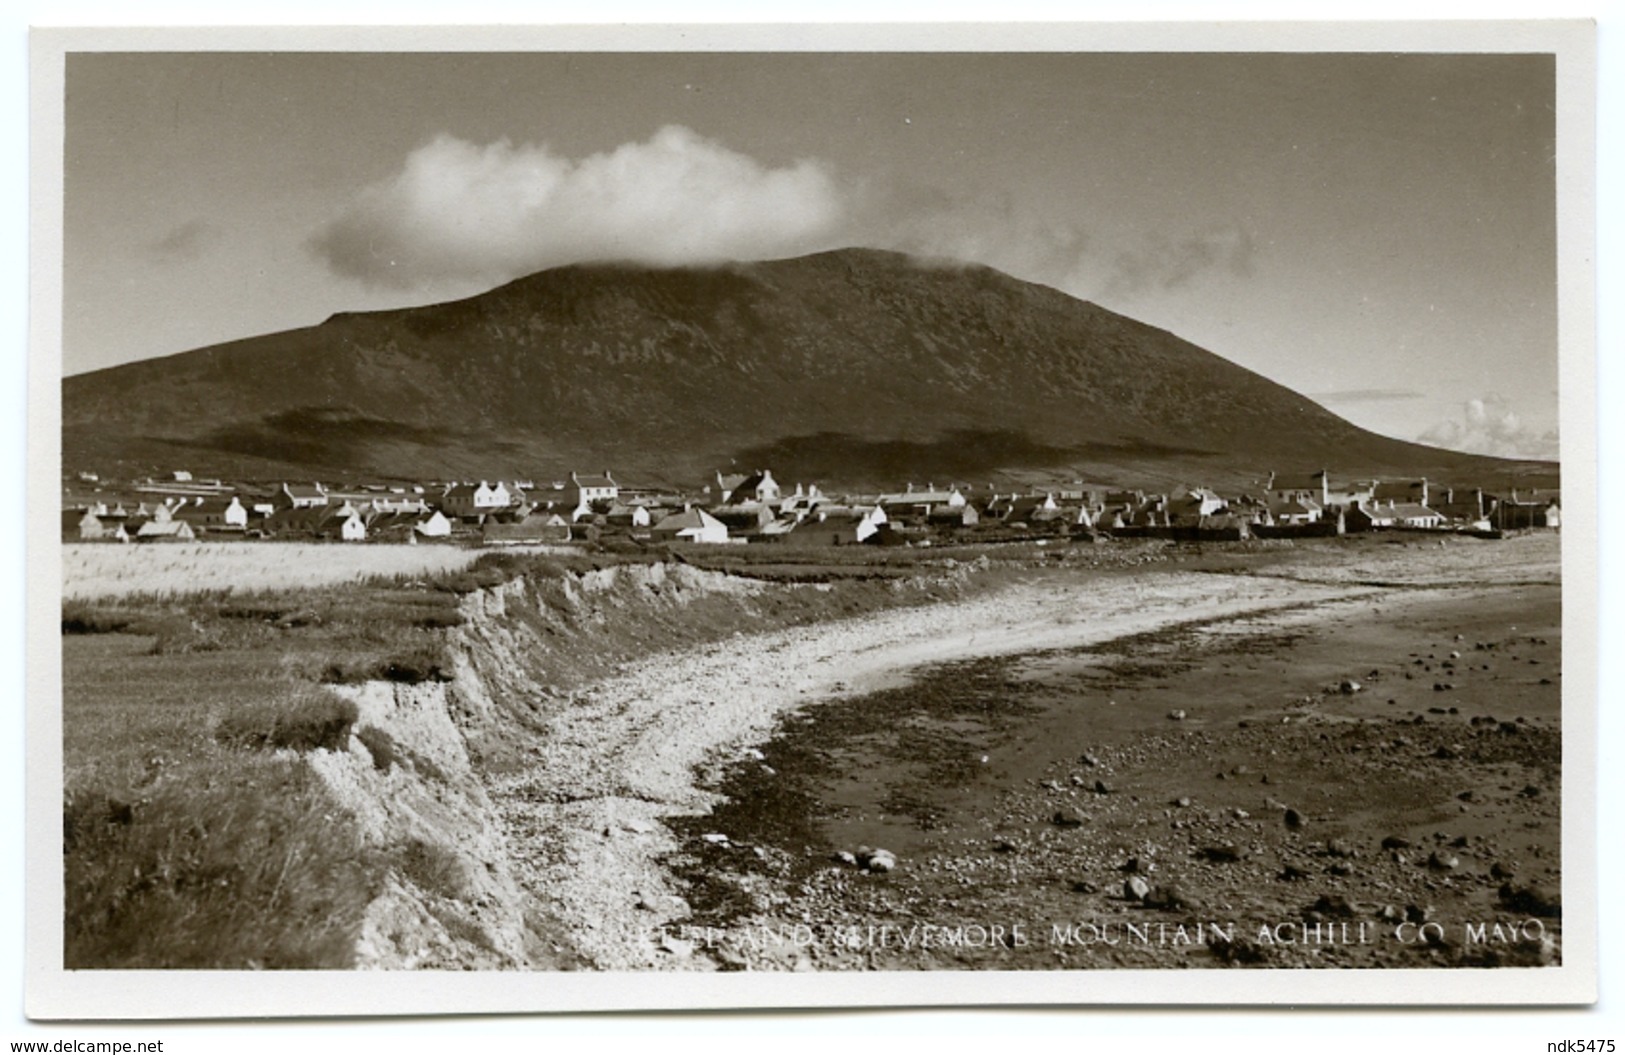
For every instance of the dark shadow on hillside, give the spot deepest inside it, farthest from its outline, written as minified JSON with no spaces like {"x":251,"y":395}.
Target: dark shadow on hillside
{"x":958,"y":453}
{"x":317,"y":436}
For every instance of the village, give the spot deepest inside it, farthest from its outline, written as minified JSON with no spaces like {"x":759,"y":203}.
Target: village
{"x":754,"y":508}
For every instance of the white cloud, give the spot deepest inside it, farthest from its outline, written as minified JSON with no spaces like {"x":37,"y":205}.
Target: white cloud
{"x":1490,"y":426}
{"x":459,"y":216}
{"x":462,"y":212}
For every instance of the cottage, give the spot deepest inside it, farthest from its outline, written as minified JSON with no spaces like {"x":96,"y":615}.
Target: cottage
{"x":1415,"y":515}
{"x":747,"y":517}
{"x":300,"y":496}
{"x":870,"y":523}
{"x":86,"y":526}
{"x":586,"y":495}
{"x":475,"y":500}
{"x":156,"y":530}
{"x":758,"y":486}
{"x":1194,"y":506}
{"x":691,"y":525}
{"x":1347,"y":494}
{"x":1531,"y":510}
{"x":346,"y":527}
{"x":1308,"y":490}
{"x":1294,"y":511}
{"x":1407,"y":491}
{"x":435,"y":525}
{"x":802,"y":502}
{"x":963,"y":515}
{"x":1032,"y":509}
{"x":289,"y":523}
{"x":630,"y":516}
{"x":215,"y":514}
{"x":921,"y":503}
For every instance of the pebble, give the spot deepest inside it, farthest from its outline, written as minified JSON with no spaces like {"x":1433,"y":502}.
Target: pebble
{"x":1177,"y":716}
{"x":1293,"y":818}
{"x":716,"y":838}
{"x":1135,"y":888}
{"x":1443,"y":862}
{"x":1066,"y":819}
{"x":1333,"y":905}
{"x":1531,"y":899}
{"x":1349,"y":687}
{"x":878,"y":860}
{"x":1419,"y":913}
{"x":1226,"y":853}
{"x":1396,"y":842}
{"x":1167,"y":895}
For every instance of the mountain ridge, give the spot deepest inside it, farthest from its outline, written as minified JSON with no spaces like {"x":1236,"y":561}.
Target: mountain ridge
{"x":862,"y":363}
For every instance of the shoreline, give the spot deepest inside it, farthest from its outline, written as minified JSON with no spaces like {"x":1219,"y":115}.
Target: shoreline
{"x":585,"y":823}
{"x":980,"y":780}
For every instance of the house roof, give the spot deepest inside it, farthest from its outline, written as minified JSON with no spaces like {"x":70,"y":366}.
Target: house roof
{"x":158,"y":528}
{"x":1298,"y":482}
{"x":688,"y":520}
{"x":305,"y":490}
{"x":1411,"y":511}
{"x":1398,"y":489}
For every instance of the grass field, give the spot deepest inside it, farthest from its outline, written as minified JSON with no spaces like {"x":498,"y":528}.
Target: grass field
{"x":195,"y":834}
{"x":92,"y":571}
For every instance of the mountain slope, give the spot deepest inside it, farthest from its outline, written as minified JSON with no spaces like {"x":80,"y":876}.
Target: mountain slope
{"x":849,"y":366}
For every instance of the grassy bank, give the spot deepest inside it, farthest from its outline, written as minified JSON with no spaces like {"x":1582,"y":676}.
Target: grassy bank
{"x":195,"y":831}
{"x":195,"y":834}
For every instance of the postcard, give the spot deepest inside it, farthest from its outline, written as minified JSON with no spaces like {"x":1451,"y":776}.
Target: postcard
{"x":582,"y":518}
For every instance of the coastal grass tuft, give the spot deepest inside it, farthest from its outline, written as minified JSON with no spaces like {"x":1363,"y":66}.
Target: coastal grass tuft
{"x":312,"y":718}
{"x":237,"y":864}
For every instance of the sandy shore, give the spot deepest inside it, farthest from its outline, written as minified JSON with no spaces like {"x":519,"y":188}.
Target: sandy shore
{"x":585,"y":823}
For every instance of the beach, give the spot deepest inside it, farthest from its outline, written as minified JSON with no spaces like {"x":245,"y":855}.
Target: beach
{"x":1360,"y":737}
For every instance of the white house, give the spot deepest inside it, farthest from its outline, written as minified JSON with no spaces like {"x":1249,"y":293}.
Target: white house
{"x":1415,"y":515}
{"x":156,"y":530}
{"x":301,"y":496}
{"x":348,"y":527}
{"x":215,"y":514}
{"x":870,"y":523}
{"x":692,"y":525}
{"x":466,"y":500}
{"x":758,"y":486}
{"x":435,"y":525}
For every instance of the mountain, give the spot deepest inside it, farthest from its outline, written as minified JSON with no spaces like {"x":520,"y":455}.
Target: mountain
{"x":848,"y":367}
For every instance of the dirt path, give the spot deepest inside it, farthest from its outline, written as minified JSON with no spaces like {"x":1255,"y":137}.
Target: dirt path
{"x":585,"y":821}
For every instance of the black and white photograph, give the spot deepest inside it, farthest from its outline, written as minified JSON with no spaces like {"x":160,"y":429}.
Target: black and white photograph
{"x":812,"y":517}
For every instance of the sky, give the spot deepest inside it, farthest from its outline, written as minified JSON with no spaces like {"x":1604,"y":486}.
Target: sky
{"x":1376,"y":231}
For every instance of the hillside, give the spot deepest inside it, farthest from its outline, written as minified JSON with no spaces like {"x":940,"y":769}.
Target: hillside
{"x":847,"y":367}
